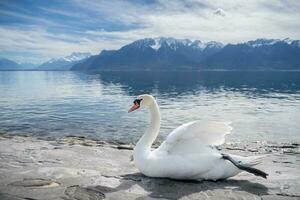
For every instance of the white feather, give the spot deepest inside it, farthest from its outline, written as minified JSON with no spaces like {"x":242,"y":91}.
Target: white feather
{"x":187,"y":152}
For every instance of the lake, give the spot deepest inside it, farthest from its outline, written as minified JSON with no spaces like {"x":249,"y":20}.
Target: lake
{"x":260,"y":105}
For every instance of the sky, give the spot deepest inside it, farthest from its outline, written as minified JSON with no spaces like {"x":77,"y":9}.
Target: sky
{"x":33,"y":31}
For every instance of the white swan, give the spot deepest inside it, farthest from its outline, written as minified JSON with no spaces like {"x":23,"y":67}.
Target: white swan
{"x":188,"y":152}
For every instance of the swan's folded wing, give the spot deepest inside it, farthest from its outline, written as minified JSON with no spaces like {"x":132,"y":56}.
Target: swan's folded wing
{"x":196,"y":135}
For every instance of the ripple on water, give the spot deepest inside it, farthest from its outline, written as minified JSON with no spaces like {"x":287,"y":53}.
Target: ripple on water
{"x":261,"y":106}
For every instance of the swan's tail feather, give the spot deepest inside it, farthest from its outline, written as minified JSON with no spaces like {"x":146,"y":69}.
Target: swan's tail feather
{"x":249,"y":161}
{"x":246,"y":167}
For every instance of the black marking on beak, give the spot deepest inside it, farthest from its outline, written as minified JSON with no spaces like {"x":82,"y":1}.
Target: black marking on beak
{"x":137,"y":101}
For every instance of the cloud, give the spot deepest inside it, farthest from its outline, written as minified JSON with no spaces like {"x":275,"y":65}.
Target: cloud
{"x":219,"y":12}
{"x":43,"y":45}
{"x":26,"y":17}
{"x":58,"y":29}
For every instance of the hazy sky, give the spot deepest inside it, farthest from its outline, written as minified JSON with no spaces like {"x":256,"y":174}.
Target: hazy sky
{"x":36,"y":30}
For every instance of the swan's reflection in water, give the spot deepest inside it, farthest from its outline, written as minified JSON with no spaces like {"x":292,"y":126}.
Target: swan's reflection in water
{"x":261,"y":105}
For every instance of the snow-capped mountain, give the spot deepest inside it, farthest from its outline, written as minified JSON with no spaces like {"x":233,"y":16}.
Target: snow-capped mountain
{"x":173,"y":54}
{"x":64,"y":63}
{"x":174,"y":44}
{"x":76,"y":56}
{"x":268,"y":42}
{"x":150,"y":53}
{"x":260,"y":54}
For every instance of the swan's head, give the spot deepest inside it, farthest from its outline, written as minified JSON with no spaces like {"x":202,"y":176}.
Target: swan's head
{"x":144,"y":100}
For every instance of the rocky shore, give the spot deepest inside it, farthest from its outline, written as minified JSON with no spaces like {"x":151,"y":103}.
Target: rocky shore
{"x":82,"y":169}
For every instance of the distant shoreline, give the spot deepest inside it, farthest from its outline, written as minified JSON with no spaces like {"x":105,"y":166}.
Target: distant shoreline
{"x":140,"y":70}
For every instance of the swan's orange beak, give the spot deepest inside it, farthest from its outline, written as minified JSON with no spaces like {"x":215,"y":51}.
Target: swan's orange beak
{"x":134,"y":107}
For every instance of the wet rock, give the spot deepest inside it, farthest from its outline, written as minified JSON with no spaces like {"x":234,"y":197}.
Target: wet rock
{"x":50,"y":161}
{"x":252,"y":150}
{"x":35,"y":183}
{"x":81,"y":193}
{"x":286,"y":146}
{"x":291,"y":151}
{"x":88,"y":144}
{"x":12,"y":197}
{"x":88,"y":172}
{"x":128,"y":147}
{"x":285,"y":162}
{"x":75,"y":136}
{"x":235,"y":148}
{"x":278,"y":197}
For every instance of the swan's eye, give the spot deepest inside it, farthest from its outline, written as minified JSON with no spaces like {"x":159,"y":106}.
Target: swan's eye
{"x":137,"y":101}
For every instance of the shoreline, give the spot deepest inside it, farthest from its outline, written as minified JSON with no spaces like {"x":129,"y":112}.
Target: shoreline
{"x":74,"y":167}
{"x":156,"y":70}
{"x":244,"y":145}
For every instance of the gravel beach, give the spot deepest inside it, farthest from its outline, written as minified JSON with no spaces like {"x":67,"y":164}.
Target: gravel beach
{"x":83,"y":169}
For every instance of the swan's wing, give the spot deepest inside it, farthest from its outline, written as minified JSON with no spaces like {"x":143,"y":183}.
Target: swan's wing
{"x":209,"y":132}
{"x":196,"y":136}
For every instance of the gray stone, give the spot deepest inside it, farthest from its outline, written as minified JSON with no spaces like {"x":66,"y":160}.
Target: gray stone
{"x":38,"y":169}
{"x":81,"y":193}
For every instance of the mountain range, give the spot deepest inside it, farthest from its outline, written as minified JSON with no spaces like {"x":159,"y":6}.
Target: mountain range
{"x":178,"y":54}
{"x":6,"y":64}
{"x":64,"y":63}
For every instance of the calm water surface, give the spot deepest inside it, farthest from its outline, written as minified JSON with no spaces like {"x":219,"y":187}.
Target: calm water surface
{"x":260,"y":105}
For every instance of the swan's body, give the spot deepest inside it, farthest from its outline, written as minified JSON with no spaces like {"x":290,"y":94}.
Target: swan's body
{"x":187,"y":152}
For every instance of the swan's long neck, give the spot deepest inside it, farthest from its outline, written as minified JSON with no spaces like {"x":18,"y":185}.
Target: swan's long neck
{"x":143,"y":147}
